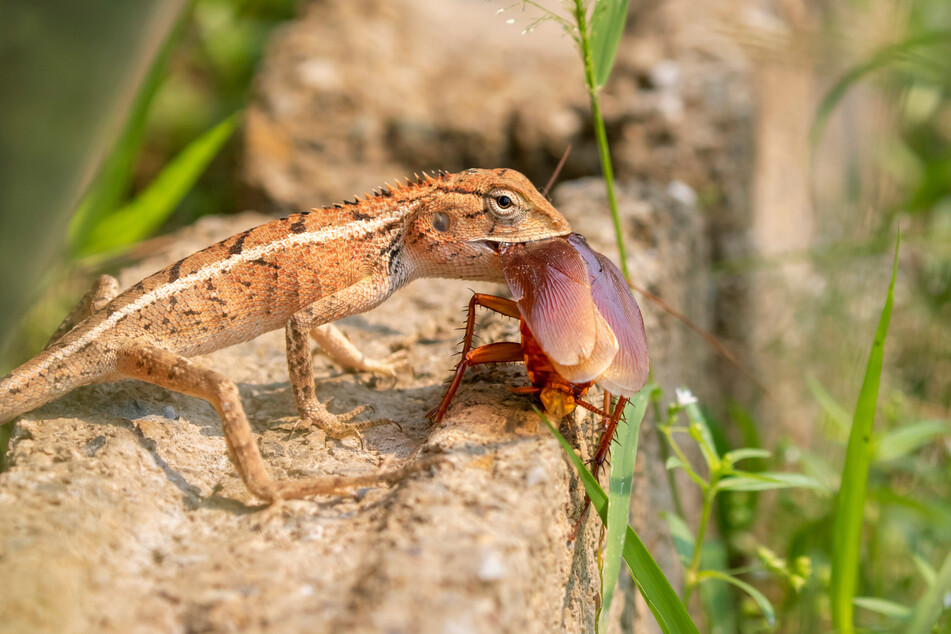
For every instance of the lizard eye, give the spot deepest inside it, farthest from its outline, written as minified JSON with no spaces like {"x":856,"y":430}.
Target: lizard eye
{"x":506,"y":205}
{"x":440,"y":221}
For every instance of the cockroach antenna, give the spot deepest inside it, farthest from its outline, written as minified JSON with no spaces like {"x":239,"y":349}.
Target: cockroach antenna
{"x":554,"y":175}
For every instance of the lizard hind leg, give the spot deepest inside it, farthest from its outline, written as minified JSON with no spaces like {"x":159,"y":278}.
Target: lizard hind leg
{"x":300,"y":365}
{"x":333,"y":342}
{"x":169,"y":370}
{"x":103,"y":291}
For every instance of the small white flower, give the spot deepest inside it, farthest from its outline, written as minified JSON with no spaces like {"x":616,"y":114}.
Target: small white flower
{"x":685,"y":397}
{"x":510,"y":21}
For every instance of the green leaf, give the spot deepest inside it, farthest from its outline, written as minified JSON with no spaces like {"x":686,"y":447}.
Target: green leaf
{"x":847,"y":529}
{"x":819,"y":468}
{"x":673,"y":462}
{"x":682,"y":536}
{"x":115,"y":176}
{"x":936,"y":600}
{"x":700,"y":431}
{"x":764,"y":605}
{"x":663,"y":602}
{"x":836,"y":413}
{"x":607,"y":27}
{"x":765,"y":481}
{"x":719,"y":604}
{"x":156,"y":203}
{"x":908,"y":438}
{"x":883,"y":607}
{"x":880,"y":59}
{"x":746,"y":453}
{"x":623,"y":456}
{"x":925,"y":569}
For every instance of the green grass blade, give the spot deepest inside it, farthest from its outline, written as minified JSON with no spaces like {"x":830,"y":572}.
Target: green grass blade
{"x":934,"y":602}
{"x":925,"y":569}
{"x":908,"y":438}
{"x":663,"y":602}
{"x":884,"y":57}
{"x":883,"y":607}
{"x":836,"y":413}
{"x":683,"y":538}
{"x":746,"y":453}
{"x":623,"y":456}
{"x":607,"y":27}
{"x":717,"y":601}
{"x":767,"y":481}
{"x":761,"y":601}
{"x":114,"y":178}
{"x":847,"y":530}
{"x":156,"y":203}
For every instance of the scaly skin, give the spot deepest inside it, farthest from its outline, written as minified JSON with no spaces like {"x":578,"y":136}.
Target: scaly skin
{"x":301,"y":272}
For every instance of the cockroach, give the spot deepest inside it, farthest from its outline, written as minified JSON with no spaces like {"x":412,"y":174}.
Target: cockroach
{"x":579,"y":326}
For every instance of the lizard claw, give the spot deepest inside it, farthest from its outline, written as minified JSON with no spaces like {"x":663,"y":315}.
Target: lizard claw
{"x":340,"y":426}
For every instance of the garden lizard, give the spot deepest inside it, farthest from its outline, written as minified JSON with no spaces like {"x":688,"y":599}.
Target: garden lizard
{"x":301,"y":272}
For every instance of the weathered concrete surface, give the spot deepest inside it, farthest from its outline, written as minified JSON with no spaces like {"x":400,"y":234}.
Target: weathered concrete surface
{"x":121,"y":512}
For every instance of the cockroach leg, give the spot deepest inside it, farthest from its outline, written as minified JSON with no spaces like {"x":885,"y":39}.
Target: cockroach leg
{"x":501,"y":352}
{"x":608,"y":434}
{"x":602,"y":453}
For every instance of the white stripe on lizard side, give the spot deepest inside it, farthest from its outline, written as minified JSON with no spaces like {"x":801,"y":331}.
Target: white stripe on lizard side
{"x":349,"y":231}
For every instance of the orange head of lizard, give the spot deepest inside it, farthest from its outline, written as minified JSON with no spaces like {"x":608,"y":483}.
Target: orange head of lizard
{"x":461,"y":219}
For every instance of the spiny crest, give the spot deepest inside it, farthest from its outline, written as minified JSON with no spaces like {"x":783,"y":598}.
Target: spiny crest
{"x":418,"y":180}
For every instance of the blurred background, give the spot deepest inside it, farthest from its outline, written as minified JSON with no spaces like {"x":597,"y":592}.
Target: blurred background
{"x":807,"y":133}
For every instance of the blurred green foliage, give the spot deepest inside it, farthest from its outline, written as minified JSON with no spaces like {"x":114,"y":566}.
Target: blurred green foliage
{"x":175,"y":159}
{"x":201,"y":78}
{"x":172,"y":161}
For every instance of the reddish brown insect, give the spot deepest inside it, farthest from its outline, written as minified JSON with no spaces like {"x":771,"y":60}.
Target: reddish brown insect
{"x":579,"y":326}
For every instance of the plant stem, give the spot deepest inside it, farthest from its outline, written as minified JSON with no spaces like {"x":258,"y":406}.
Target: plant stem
{"x":600,"y":134}
{"x":665,"y":454}
{"x":691,"y":577}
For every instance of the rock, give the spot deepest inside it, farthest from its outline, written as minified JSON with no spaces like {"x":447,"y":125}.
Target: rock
{"x":356,"y":93}
{"x":120,"y":511}
{"x":116,"y":516}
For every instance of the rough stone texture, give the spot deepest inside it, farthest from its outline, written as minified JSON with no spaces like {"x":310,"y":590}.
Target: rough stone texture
{"x":358,"y":92}
{"x":352,"y":93}
{"x":355,"y":93}
{"x":119,"y":510}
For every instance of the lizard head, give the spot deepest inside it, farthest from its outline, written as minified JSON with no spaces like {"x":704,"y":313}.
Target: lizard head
{"x":461,"y":219}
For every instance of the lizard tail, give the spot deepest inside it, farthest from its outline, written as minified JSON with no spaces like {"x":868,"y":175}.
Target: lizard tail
{"x":46,"y":377}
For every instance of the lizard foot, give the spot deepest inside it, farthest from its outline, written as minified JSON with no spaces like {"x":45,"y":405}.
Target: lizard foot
{"x":333,"y":342}
{"x":339,"y":426}
{"x":385,"y":367}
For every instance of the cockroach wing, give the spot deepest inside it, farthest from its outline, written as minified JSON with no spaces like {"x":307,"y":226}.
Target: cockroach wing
{"x":627,"y":373}
{"x":551,"y":285}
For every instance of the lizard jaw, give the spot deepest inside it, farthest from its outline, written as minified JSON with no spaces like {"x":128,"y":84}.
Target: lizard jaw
{"x":487,"y":245}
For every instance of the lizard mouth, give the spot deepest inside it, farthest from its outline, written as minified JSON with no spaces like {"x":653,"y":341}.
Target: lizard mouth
{"x":488,"y":245}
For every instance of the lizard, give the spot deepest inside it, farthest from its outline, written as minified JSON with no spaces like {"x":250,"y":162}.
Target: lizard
{"x":302,"y":272}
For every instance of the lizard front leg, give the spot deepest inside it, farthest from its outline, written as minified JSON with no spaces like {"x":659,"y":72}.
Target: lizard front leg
{"x":174,"y":372}
{"x":300,"y":367}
